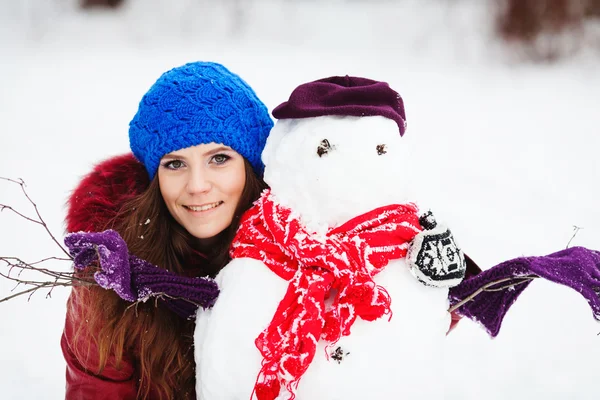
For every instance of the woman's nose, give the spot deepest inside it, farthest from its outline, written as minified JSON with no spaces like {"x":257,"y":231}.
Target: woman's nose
{"x":198,"y":182}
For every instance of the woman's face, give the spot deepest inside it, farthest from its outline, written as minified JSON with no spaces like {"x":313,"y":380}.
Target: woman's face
{"x":202,"y":186}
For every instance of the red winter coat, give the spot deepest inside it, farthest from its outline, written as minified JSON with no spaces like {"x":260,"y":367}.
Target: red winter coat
{"x":94,"y":202}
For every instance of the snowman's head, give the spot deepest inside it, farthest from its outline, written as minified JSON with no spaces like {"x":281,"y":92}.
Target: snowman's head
{"x":331,"y":168}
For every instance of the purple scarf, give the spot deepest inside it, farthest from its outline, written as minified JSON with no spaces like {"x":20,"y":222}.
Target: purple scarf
{"x":134,"y":279}
{"x":575,"y":267}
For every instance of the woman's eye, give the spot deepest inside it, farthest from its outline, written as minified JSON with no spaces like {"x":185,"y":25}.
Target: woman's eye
{"x":174,"y":164}
{"x":220,"y":158}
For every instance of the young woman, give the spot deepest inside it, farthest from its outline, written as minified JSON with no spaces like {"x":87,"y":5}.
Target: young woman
{"x":196,"y":140}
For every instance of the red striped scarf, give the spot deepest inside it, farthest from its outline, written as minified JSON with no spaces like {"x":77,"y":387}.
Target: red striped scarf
{"x":344,"y":262}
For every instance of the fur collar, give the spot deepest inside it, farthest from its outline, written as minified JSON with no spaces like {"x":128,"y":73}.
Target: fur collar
{"x":101,"y":193}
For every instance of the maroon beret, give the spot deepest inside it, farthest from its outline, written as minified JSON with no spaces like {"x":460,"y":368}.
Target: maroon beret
{"x":344,"y":95}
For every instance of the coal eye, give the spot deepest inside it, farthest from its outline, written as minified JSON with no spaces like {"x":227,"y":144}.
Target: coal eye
{"x":381,"y":149}
{"x":324,"y":147}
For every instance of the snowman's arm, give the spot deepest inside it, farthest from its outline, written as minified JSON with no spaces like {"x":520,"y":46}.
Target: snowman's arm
{"x":487,"y":297}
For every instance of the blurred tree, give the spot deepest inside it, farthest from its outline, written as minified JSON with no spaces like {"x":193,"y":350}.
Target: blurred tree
{"x":525,"y":19}
{"x":238,"y":16}
{"x":593,"y":8}
{"x":543,"y":25}
{"x":100,"y":3}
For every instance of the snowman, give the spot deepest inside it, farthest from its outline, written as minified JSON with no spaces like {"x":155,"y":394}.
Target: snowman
{"x":338,"y":284}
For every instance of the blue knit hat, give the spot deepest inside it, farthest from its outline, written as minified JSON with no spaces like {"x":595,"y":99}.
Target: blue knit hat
{"x":198,"y":103}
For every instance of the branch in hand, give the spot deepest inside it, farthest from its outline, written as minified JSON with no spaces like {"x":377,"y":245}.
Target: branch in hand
{"x":495,"y":286}
{"x":49,"y":278}
{"x":57,"y":278}
{"x":575,"y":230}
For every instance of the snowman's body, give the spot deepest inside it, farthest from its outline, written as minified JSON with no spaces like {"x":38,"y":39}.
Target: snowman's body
{"x":329,"y":170}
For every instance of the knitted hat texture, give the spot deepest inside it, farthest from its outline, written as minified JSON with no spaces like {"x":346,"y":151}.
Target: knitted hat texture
{"x":199,"y":103}
{"x":344,"y":95}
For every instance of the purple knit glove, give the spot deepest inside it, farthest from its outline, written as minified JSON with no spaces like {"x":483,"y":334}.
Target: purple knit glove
{"x":110,"y":250}
{"x":134,"y":279}
{"x":575,"y":267}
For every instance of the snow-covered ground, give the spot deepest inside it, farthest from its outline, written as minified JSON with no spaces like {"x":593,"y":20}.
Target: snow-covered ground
{"x":510,"y":151}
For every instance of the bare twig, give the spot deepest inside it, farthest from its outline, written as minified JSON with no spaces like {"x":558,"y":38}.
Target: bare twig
{"x":40,"y":220}
{"x":575,"y":230}
{"x":50,"y":258}
{"x":161,"y":296}
{"x":518,"y":281}
{"x":5,"y":207}
{"x":33,"y":289}
{"x":64,"y":279}
{"x":490,"y":288}
{"x":15,"y":262}
{"x":37,"y":285}
{"x":57,"y":278}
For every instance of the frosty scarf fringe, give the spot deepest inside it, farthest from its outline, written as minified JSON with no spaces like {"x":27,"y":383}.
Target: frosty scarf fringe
{"x":344,"y":262}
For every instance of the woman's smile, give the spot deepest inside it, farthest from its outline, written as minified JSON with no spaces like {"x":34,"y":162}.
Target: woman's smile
{"x":204,"y":207}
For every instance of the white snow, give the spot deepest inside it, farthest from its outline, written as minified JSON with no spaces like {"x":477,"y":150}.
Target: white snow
{"x":349,"y":180}
{"x":509,"y":150}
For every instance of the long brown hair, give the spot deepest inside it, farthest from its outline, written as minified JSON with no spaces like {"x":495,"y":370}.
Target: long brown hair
{"x":153,"y":337}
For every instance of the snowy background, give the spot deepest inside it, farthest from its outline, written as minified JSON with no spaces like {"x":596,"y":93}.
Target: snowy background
{"x":510,"y":150}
